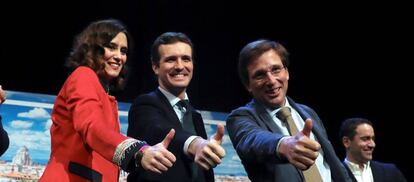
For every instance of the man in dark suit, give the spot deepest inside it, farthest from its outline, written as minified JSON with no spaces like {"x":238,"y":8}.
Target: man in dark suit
{"x":4,"y":137}
{"x":153,"y":115}
{"x":358,"y":138}
{"x":272,"y":148}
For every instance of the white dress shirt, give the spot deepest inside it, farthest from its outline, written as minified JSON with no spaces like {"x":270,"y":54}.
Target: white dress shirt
{"x":361,"y":173}
{"x":180,"y":114}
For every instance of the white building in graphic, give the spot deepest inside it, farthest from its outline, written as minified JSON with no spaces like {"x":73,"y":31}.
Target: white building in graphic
{"x":21,"y":168}
{"x":22,"y":157}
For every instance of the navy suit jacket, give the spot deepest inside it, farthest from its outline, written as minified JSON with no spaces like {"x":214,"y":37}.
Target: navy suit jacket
{"x":4,"y":139}
{"x":382,"y":172}
{"x":255,"y":137}
{"x":150,"y":118}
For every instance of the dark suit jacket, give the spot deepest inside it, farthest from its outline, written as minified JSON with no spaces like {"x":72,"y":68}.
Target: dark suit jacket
{"x":255,"y":136}
{"x":150,"y":118}
{"x":4,"y":139}
{"x":381,"y":172}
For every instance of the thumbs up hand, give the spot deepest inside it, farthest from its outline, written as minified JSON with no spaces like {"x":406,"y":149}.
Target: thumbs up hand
{"x":300,"y":150}
{"x":208,"y":153}
{"x":218,"y":136}
{"x":2,"y":95}
{"x":307,"y":129}
{"x":157,"y":158}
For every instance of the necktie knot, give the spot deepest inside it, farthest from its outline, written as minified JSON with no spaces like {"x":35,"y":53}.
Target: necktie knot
{"x":187,"y":120}
{"x":183,"y":105}
{"x":283,"y":114}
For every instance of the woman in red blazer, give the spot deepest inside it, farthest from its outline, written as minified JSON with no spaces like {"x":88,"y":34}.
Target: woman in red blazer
{"x":86,"y":140}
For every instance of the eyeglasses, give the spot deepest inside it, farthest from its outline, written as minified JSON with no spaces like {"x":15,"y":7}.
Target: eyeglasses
{"x":261,"y":75}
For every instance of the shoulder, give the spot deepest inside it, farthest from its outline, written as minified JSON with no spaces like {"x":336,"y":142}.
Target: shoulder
{"x":248,"y":108}
{"x":388,"y":171}
{"x":300,"y":106}
{"x":303,"y":109}
{"x":386,"y":167}
{"x":83,"y":80}
{"x":83,"y":74}
{"x":151,"y":100}
{"x":383,"y":165}
{"x":83,"y":70}
{"x":146,"y":98}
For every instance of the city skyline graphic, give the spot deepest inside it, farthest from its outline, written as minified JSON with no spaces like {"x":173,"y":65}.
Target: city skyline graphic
{"x":26,"y":118}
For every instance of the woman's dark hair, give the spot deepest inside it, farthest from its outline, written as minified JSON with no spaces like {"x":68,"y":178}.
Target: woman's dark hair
{"x":88,"y":47}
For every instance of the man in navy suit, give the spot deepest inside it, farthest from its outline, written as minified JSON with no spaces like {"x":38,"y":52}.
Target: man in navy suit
{"x":358,"y":138}
{"x":3,"y":134}
{"x":154,"y":114}
{"x":263,"y":141}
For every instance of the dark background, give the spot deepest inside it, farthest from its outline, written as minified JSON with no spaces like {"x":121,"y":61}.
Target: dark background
{"x":347,"y":59}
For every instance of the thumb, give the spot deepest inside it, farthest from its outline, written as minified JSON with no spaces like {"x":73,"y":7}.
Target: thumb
{"x":219,"y":133}
{"x":308,"y":127}
{"x":168,"y":138}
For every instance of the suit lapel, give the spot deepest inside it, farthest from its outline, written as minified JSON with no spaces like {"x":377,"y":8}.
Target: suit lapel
{"x":351,"y":175}
{"x":316,"y":130}
{"x":198,"y":124}
{"x":376,"y":174}
{"x":265,"y":118}
{"x":197,"y":119}
{"x":166,"y":106}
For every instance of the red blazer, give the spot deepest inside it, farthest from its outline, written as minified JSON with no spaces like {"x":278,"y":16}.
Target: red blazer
{"x":85,"y":131}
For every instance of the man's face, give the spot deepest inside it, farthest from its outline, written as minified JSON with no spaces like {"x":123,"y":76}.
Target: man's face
{"x":268,"y":79}
{"x":361,"y":147}
{"x":175,"y":68}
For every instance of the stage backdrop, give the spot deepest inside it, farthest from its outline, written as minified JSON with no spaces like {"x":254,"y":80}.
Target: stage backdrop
{"x":26,"y":118}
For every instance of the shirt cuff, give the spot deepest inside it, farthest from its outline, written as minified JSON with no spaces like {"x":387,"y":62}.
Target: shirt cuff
{"x":277,"y":146}
{"x":125,"y":152}
{"x":187,"y":144}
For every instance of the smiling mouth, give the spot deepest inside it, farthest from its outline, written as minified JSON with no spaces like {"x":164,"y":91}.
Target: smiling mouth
{"x":273,"y":91}
{"x":114,"y":65}
{"x":179,"y":75}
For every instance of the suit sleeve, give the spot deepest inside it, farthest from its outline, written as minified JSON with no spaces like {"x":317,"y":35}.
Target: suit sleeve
{"x":399,"y":176}
{"x":251,"y":142}
{"x":394,"y":173}
{"x":4,"y":139}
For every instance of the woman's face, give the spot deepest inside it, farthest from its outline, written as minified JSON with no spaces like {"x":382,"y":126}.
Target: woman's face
{"x":115,"y":56}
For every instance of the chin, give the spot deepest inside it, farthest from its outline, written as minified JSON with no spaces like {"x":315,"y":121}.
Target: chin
{"x":180,"y":84}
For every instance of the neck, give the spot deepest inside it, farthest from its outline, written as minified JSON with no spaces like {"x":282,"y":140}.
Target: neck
{"x":361,"y":164}
{"x":178,"y":92}
{"x":105,"y":85}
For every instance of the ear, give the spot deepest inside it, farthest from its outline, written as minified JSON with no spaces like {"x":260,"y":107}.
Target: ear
{"x":346,"y":141}
{"x":155,"y":68}
{"x":247,"y":86}
{"x":287,"y":74}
